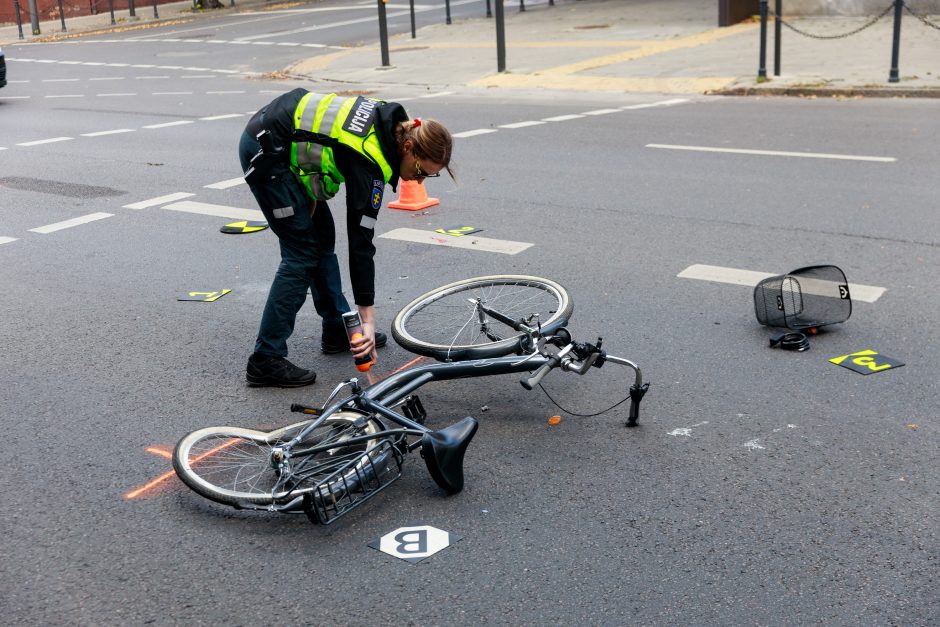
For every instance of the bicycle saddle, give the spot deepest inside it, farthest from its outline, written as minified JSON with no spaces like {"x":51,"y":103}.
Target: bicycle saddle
{"x":443,"y":453}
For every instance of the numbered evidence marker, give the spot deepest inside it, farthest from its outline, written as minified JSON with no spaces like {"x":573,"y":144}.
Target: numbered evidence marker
{"x":458,"y":230}
{"x":244,"y":226}
{"x":866,"y":362}
{"x":413,"y":544}
{"x":204,"y":297}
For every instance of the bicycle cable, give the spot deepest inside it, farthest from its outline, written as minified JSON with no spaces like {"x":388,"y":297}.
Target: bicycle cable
{"x":795,"y":341}
{"x":567,"y":411}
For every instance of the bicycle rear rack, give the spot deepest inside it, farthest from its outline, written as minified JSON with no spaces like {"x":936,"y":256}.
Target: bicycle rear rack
{"x":355,"y":483}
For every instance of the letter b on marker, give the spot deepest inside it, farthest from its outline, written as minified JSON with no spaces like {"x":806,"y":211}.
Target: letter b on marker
{"x":412,"y":542}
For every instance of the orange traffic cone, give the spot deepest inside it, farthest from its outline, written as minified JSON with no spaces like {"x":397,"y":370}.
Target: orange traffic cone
{"x":413,"y":197}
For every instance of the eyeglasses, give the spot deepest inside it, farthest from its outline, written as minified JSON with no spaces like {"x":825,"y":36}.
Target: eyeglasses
{"x":426,"y":175}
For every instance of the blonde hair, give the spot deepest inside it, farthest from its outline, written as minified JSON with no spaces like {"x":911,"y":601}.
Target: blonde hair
{"x":431,"y":139}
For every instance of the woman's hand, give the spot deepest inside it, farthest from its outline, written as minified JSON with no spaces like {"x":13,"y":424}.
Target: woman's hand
{"x":365,"y":346}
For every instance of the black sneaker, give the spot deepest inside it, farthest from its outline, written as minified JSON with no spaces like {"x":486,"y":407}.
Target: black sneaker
{"x":271,"y":370}
{"x":332,"y":344}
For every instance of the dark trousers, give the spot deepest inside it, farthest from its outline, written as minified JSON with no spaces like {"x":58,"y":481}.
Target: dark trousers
{"x":308,"y":261}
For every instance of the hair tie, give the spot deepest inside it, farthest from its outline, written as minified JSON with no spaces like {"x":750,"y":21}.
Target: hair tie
{"x":416,"y":123}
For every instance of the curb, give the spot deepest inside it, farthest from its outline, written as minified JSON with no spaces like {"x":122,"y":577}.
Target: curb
{"x":832,"y":92}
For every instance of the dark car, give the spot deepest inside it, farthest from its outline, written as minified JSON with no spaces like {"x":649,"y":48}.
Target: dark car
{"x":3,"y":69}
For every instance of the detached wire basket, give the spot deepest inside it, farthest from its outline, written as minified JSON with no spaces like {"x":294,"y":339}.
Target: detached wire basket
{"x":807,"y":298}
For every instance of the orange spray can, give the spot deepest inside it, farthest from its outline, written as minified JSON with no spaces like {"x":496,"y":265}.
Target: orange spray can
{"x":354,"y":332}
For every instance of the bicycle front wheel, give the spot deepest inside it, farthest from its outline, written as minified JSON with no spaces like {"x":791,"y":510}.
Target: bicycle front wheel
{"x":231,"y":465}
{"x":447,"y":324}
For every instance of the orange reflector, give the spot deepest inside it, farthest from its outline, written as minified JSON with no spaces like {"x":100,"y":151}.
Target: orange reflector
{"x":554,"y":420}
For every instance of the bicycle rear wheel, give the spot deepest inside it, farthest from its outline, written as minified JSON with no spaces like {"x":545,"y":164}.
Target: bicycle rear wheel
{"x":231,"y":465}
{"x":446,"y":323}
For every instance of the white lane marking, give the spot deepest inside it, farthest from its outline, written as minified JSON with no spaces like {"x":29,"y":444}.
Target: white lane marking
{"x":168,"y":124}
{"x":172,"y":93}
{"x":107,"y":78}
{"x":46,"y":141}
{"x":468,"y":242}
{"x":563,"y":118}
{"x":14,"y":97}
{"x":119,"y":95}
{"x":3,"y":148}
{"x":775,"y":153}
{"x":114,"y":132}
{"x":67,"y":96}
{"x":144,"y":66}
{"x":522,"y":124}
{"x":750,"y":278}
{"x":147,"y":78}
{"x":58,"y":226}
{"x":7,"y":240}
{"x":159,"y":200}
{"x":200,"y":76}
{"x":222,"y":117}
{"x":59,"y":80}
{"x":220,"y":211}
{"x":223,"y":93}
{"x":601,"y":111}
{"x":474,"y":133}
{"x":226,"y":184}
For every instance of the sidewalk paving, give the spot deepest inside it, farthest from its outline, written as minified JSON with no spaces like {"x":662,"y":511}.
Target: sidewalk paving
{"x":624,"y":46}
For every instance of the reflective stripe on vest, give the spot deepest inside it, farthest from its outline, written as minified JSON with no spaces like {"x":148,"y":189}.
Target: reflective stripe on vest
{"x":314,"y":163}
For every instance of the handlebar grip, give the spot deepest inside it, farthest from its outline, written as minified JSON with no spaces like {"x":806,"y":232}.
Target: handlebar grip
{"x":534,"y":380}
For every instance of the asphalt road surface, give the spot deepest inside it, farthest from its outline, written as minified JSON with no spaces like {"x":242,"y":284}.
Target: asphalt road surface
{"x":762,"y":487}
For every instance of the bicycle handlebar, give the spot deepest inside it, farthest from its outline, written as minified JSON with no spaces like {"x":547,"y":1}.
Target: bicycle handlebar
{"x":531,"y":382}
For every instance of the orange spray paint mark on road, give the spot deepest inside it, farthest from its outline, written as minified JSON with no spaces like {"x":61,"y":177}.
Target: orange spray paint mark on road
{"x":133,"y":494}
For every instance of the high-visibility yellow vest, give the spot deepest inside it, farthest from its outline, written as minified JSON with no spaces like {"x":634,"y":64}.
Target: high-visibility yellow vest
{"x":348,"y":121}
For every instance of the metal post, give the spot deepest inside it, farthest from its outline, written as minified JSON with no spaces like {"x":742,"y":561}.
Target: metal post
{"x":896,"y":46}
{"x":762,"y":66}
{"x":111,"y":8}
{"x":778,"y":44}
{"x":413,"y":34}
{"x":156,"y":16}
{"x":383,"y":34}
{"x":19,"y":19}
{"x":489,"y":13}
{"x":500,"y":37}
{"x":521,"y":5}
{"x":62,"y":17}
{"x":130,"y":8}
{"x":34,"y":17}
{"x":447,"y":9}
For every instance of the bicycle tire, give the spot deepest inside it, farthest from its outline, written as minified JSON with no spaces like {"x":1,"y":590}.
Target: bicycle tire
{"x":239,"y":470}
{"x":461,"y":336}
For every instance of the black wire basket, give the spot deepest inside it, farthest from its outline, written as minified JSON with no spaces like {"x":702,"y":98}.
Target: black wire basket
{"x":810,"y":297}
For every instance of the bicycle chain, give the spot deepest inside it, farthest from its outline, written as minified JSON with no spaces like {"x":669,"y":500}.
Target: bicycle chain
{"x":922,"y":18}
{"x":841,"y":36}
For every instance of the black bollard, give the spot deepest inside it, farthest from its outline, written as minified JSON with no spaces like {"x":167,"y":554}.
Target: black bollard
{"x":896,"y":46}
{"x":131,"y":9}
{"x":412,"y":4}
{"x":19,"y":19}
{"x":111,"y":8}
{"x":778,"y":44}
{"x":489,"y":13}
{"x":156,"y":15}
{"x":383,"y":34}
{"x":447,"y":10}
{"x":62,"y":17}
{"x":762,"y":67}
{"x":521,"y":5}
{"x":500,"y":37}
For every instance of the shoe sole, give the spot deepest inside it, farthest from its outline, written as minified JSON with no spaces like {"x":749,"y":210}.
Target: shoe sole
{"x":256,"y":382}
